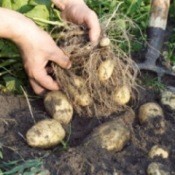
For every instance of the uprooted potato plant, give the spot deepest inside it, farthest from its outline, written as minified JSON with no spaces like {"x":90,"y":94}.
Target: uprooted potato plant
{"x":102,"y":78}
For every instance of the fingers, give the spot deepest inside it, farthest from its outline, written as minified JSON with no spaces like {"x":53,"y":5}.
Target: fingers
{"x":92,"y":23}
{"x":42,"y":81}
{"x":37,"y":88}
{"x":60,"y":58}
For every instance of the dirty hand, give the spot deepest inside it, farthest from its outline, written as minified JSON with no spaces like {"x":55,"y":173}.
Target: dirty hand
{"x":37,"y":48}
{"x":78,"y":12}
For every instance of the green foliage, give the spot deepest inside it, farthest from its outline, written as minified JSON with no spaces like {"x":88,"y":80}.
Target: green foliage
{"x":137,"y":10}
{"x":134,"y":15}
{"x":153,"y":83}
{"x":29,"y":167}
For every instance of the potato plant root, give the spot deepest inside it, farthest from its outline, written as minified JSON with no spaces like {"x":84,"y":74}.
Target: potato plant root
{"x":87,"y":60}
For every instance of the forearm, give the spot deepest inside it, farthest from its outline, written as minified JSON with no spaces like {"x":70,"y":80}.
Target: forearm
{"x":14,"y":25}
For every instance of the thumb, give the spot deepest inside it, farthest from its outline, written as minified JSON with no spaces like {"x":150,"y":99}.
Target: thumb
{"x":60,"y":58}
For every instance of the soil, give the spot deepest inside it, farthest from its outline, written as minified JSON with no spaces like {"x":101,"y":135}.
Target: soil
{"x":77,"y":158}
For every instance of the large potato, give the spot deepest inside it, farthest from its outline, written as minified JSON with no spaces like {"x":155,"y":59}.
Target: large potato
{"x":112,"y":135}
{"x":45,"y":134}
{"x":121,"y":95}
{"x":58,"y":106}
{"x":105,"y":70}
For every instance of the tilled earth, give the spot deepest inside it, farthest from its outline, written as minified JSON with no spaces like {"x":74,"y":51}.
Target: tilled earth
{"x":77,"y":157}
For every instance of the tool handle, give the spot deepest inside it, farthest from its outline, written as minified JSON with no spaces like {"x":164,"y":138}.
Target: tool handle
{"x":156,"y":29}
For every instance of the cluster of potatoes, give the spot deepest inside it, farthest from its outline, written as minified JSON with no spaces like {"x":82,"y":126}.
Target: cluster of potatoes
{"x":50,"y":132}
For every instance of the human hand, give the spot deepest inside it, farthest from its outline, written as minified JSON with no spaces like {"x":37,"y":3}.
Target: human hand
{"x":37,"y":48}
{"x":78,"y":12}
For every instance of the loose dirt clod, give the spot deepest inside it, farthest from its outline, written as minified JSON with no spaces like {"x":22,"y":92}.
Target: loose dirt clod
{"x":102,"y":69}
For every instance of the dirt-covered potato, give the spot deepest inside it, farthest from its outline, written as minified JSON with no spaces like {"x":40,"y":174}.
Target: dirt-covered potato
{"x":58,"y":106}
{"x":83,"y":99}
{"x":121,"y":95}
{"x":112,"y":135}
{"x":45,"y":134}
{"x":168,"y":98}
{"x":157,"y":150}
{"x":157,"y":169}
{"x":105,"y":70}
{"x":148,"y":111}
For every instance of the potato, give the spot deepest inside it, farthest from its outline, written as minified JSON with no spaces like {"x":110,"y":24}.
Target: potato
{"x":158,"y":151}
{"x":157,"y":169}
{"x":105,"y":42}
{"x":79,"y":82}
{"x":58,"y":106}
{"x":105,"y":70}
{"x":45,"y":134}
{"x":148,"y":111}
{"x":121,"y":95}
{"x":168,"y":98}
{"x":80,"y":93}
{"x":111,"y":135}
{"x":82,"y":99}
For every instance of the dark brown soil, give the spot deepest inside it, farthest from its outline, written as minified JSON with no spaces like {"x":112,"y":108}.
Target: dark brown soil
{"x":77,"y":158}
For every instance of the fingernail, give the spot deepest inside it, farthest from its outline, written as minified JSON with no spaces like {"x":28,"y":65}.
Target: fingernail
{"x":69,"y":65}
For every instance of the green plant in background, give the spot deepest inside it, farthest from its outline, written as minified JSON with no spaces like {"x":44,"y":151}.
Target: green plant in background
{"x":153,"y":83}
{"x":133,"y":15}
{"x":29,"y":167}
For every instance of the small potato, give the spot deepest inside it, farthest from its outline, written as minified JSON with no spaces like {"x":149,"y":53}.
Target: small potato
{"x":148,"y":111}
{"x":79,"y":82}
{"x":121,"y":95}
{"x":158,"y":151}
{"x":168,"y":98}
{"x":81,"y":96}
{"x":45,"y":134}
{"x":155,"y":168}
{"x":105,"y":70}
{"x":105,"y":42}
{"x":112,"y":135}
{"x":58,"y":106}
{"x":83,"y":99}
